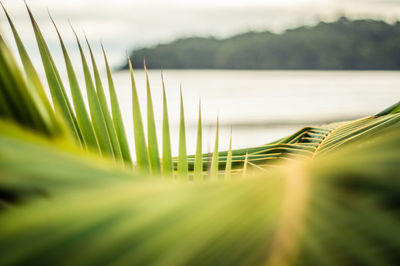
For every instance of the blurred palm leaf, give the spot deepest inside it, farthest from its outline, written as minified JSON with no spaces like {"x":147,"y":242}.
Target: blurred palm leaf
{"x":55,"y":83}
{"x":88,"y":133}
{"x":325,"y":195}
{"x":43,"y":105}
{"x":306,"y":214}
{"x":309,"y":142}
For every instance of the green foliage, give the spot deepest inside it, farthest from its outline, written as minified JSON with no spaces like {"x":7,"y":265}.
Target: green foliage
{"x":116,"y":115}
{"x":17,"y":100}
{"x":326,"y":195}
{"x":96,"y":112}
{"x":214,"y":161}
{"x":111,"y":132}
{"x":182,"y":156}
{"x":60,"y":100}
{"x":167,"y":157}
{"x":326,"y":212}
{"x":43,"y":105}
{"x":151,"y":132}
{"x":85,"y":125}
{"x":142,"y":155}
{"x":198,"y":163}
{"x":344,"y":44}
{"x":228,"y":167}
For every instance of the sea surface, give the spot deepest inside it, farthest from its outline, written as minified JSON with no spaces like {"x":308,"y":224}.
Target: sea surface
{"x":259,"y":106}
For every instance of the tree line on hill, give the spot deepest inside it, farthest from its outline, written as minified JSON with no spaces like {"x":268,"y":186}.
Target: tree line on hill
{"x":340,"y":45}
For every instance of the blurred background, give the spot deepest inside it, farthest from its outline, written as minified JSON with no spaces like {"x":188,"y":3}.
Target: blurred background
{"x":267,"y":68}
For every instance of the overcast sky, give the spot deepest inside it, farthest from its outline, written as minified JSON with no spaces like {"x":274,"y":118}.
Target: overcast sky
{"x":123,"y":24}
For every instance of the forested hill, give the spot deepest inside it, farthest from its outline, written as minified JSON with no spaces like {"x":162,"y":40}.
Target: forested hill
{"x":344,"y":44}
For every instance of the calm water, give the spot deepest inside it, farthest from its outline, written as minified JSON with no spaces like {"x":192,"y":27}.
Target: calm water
{"x":261,"y":106}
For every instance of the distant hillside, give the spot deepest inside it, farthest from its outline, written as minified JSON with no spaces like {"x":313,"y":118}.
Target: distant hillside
{"x":344,"y":44}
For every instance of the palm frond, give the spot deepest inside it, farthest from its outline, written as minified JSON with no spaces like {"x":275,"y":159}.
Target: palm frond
{"x":182,"y":156}
{"x":283,"y":218}
{"x":96,"y":113}
{"x":198,"y":163}
{"x":111,"y":132}
{"x":167,"y":157}
{"x":228,"y":166}
{"x":85,"y":125}
{"x":151,"y":131}
{"x":39,"y":97}
{"x":308,"y":142}
{"x":142,"y":155}
{"x":214,"y":161}
{"x":116,"y":115}
{"x":57,"y":90}
{"x":325,"y":195}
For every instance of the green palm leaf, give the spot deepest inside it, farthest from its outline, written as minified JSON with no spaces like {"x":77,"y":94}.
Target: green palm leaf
{"x":228,"y":167}
{"x":248,"y":215}
{"x":96,"y":111}
{"x":309,"y":142}
{"x":56,"y":86}
{"x":151,"y":130}
{"x":198,"y":163}
{"x":17,"y":103}
{"x":167,"y":157}
{"x":39,"y":97}
{"x":395,"y":108}
{"x":182,"y":156}
{"x":142,"y":155}
{"x":214,"y":162}
{"x":85,"y":125}
{"x":104,"y":108}
{"x":116,"y":115}
{"x":325,"y":195}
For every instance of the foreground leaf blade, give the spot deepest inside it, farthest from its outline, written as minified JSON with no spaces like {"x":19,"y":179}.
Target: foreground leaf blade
{"x":151,"y":131}
{"x":214,"y":162}
{"x":182,"y":156}
{"x":167,"y":166}
{"x":16,"y":100}
{"x":393,"y":109}
{"x":112,"y":134}
{"x":228,"y":167}
{"x":96,"y":113}
{"x":85,"y":125}
{"x":198,"y":164}
{"x":245,"y":163}
{"x":56,"y":86}
{"x":142,"y":155}
{"x":116,"y":115}
{"x":273,"y":217}
{"x":39,"y":96}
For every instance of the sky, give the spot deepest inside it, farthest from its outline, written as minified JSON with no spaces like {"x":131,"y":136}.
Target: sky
{"x":125,"y":24}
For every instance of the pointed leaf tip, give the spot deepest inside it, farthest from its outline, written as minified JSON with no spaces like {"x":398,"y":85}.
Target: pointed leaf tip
{"x":214,"y":162}
{"x":182,"y":157}
{"x":198,"y":164}
{"x":151,"y":131}
{"x":167,"y":157}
